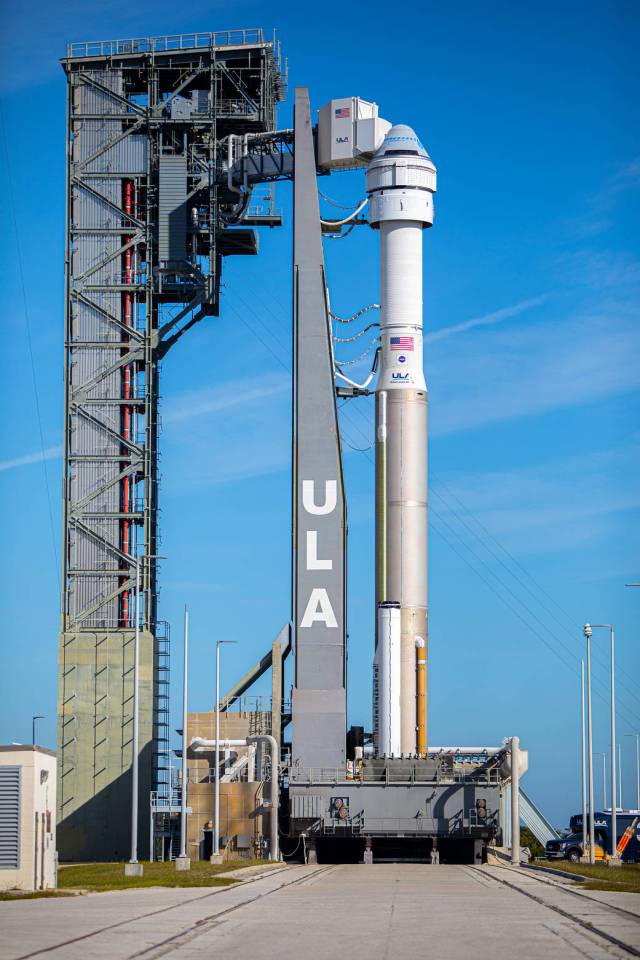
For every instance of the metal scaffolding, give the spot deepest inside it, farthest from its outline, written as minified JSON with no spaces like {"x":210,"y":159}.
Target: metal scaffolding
{"x":150,"y":215}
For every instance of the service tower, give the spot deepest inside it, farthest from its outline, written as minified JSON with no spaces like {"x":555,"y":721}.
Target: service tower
{"x":401,"y":181}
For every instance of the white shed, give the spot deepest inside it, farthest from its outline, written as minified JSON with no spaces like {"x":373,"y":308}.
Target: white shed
{"x":27,"y":817}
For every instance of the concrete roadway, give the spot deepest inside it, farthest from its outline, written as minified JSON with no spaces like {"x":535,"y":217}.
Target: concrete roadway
{"x":357,"y":912}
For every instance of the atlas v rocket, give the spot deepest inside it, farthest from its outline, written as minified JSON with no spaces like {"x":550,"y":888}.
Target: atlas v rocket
{"x":400,"y":182}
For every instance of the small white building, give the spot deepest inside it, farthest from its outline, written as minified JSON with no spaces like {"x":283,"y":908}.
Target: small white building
{"x":27,"y":817}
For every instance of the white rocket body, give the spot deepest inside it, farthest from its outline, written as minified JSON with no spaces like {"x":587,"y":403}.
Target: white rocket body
{"x":401,"y":181}
{"x":389,"y":693}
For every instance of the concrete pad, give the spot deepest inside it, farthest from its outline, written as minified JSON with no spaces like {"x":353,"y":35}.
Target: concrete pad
{"x":372,"y":912}
{"x":133,"y":870}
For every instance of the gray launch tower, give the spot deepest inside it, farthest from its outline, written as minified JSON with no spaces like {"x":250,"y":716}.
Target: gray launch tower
{"x":149,"y":220}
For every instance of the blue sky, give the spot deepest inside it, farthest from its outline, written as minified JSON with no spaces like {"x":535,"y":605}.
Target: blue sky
{"x":532,"y":276}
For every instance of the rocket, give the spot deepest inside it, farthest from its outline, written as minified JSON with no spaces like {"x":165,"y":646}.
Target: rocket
{"x":400,"y":183}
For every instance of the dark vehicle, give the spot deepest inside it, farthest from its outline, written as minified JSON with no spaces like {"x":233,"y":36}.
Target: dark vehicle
{"x":569,"y":846}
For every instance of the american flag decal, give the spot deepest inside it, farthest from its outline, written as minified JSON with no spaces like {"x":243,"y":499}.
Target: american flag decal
{"x":343,"y":113}
{"x":401,"y":343}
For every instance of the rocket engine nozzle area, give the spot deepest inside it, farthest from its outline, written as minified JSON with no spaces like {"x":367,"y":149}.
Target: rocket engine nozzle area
{"x":401,"y":181}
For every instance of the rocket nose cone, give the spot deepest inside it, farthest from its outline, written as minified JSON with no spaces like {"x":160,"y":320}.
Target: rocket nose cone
{"x":401,"y":139}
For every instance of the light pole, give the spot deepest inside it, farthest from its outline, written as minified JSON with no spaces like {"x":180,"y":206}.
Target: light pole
{"x":604,"y":780}
{"x":133,"y":868}
{"x":39,"y":716}
{"x":183,"y":862}
{"x":216,"y":772}
{"x":637,"y":739}
{"x":584,"y":763}
{"x":515,"y":801}
{"x":614,"y":801}
{"x":592,"y":839}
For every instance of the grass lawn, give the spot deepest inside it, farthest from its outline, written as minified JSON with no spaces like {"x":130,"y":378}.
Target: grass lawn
{"x":625,"y":879}
{"x":110,"y":876}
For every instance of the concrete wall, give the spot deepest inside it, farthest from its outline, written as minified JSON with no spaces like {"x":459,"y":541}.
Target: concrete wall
{"x":37,"y":822}
{"x":95,"y":730}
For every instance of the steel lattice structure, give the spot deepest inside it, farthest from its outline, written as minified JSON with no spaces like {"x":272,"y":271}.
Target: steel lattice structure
{"x":149,"y":219}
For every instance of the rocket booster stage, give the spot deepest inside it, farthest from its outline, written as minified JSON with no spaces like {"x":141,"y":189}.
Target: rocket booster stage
{"x":401,"y":181}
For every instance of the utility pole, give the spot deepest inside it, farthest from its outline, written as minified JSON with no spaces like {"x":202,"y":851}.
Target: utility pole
{"x":584,"y":762}
{"x":592,"y":854}
{"x":183,"y":862}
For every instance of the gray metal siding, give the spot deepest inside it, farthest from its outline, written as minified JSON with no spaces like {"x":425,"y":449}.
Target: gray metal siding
{"x":10,"y":818}
{"x":172,"y":210}
{"x":87,"y":437}
{"x":319,"y":694}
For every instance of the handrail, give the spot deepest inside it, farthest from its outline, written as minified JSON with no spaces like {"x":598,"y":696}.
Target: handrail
{"x":166,"y":44}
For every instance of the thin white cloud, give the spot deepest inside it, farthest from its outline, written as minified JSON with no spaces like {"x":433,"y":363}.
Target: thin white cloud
{"x":600,"y":208}
{"x":554,"y":505}
{"x":224,"y":397}
{"x":509,"y":374}
{"x":227,"y":398}
{"x":231,"y":432}
{"x":51,"y":453}
{"x":488,"y":320}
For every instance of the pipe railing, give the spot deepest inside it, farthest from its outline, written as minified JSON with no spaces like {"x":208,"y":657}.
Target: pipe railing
{"x":166,"y":44}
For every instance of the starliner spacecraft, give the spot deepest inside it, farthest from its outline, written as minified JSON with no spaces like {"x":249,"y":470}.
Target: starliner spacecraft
{"x":401,"y":181}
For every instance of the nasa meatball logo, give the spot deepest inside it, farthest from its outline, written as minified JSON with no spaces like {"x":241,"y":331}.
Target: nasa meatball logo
{"x":402,"y":359}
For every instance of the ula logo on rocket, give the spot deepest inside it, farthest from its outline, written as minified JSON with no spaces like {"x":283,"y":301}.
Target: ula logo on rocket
{"x":399,"y":376}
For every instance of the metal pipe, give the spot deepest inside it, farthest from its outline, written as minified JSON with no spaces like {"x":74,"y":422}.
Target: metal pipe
{"x":199,"y":744}
{"x":421,"y":666}
{"x":515,"y":801}
{"x":389,"y":673}
{"x":183,"y":792}
{"x":39,"y":716}
{"x":583,"y":762}
{"x":216,"y":824}
{"x":274,"y":795}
